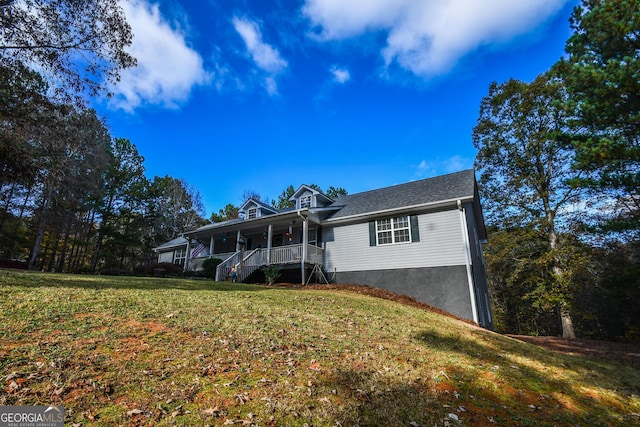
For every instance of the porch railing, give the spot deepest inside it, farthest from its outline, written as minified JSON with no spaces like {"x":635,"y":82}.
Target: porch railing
{"x":293,"y":253}
{"x":250,"y":263}
{"x":222,"y":271}
{"x":289,"y":254}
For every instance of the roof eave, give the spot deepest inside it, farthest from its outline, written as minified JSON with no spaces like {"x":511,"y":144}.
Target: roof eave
{"x":246,"y":223}
{"x":408,"y":209}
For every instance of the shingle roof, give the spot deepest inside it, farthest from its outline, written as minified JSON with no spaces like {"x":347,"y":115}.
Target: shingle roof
{"x":260,"y":203}
{"x":459,"y":185}
{"x":178,"y":241}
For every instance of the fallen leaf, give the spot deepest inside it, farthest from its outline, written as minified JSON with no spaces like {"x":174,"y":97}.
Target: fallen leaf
{"x":134,"y":412}
{"x":211,"y":412}
{"x":13,"y":375}
{"x":315,"y":366}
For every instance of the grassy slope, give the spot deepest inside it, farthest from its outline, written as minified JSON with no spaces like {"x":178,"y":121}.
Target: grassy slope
{"x":143,"y":351}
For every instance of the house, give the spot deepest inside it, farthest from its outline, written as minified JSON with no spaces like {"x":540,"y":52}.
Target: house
{"x":422,"y":239}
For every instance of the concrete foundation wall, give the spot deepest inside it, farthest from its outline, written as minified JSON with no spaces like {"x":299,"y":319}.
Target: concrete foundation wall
{"x":446,"y":288}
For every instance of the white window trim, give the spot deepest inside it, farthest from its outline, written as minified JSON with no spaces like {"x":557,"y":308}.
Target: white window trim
{"x":252,"y":213}
{"x":393,"y":230}
{"x":180,"y":256}
{"x":313,"y":232}
{"x":305,"y":201}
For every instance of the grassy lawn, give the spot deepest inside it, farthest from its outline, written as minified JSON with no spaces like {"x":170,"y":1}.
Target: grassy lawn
{"x":148,"y":351}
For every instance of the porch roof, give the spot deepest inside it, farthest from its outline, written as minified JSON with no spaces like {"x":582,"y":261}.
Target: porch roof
{"x":282,"y":219}
{"x":171,"y":244}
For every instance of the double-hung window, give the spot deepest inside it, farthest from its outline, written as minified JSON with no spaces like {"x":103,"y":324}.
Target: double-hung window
{"x":252,"y":213}
{"x":180,"y":256}
{"x":389,"y":231}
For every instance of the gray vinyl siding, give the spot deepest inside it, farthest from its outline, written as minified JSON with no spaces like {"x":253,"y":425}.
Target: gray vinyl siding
{"x":165,"y":257}
{"x":348,"y":249}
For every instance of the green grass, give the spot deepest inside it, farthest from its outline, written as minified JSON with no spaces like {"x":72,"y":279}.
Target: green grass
{"x":147,"y":351}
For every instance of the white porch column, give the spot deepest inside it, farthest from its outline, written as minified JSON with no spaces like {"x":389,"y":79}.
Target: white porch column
{"x":211,"y":245}
{"x":269,"y":238}
{"x":305,"y":249}
{"x":187,"y":255}
{"x":238,"y":235}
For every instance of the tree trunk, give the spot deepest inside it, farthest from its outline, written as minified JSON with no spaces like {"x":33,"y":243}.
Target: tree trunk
{"x":565,"y":317}
{"x":85,"y":234}
{"x":41,"y":229}
{"x":26,"y":201}
{"x":65,"y":243}
{"x":54,"y":252}
{"x":567,"y":323}
{"x":106,"y":216}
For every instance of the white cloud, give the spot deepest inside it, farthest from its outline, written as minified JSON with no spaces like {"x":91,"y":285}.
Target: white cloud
{"x":266,"y":57}
{"x":340,"y":75}
{"x":167,"y":68}
{"x":427,"y":37}
{"x":442,"y":166}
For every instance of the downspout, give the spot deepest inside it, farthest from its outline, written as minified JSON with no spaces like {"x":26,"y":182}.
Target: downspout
{"x":467,"y":256}
{"x":305,"y":237}
{"x":269,"y":238}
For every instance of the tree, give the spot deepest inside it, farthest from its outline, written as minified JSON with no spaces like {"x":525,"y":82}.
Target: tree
{"x":23,"y":103}
{"x":228,"y":212}
{"x":24,"y":108}
{"x":250,"y":194}
{"x":174,"y":206}
{"x":525,"y":165}
{"x":283,"y":201}
{"x":71,"y":151}
{"x":78,"y":44}
{"x":124,"y":182}
{"x":601,"y":74}
{"x":515,"y":260}
{"x":335,"y":192}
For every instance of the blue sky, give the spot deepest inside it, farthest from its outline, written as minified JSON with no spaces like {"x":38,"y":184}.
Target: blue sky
{"x":248,"y":95}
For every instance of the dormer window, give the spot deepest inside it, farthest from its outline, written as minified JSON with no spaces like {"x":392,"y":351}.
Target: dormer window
{"x":305,"y":202}
{"x":252,"y":213}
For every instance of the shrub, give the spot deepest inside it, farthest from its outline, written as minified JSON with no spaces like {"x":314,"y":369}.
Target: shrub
{"x":209,"y":267}
{"x":271,"y":273}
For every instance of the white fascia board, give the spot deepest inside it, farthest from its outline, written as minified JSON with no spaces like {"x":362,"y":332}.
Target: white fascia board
{"x":169,"y":248}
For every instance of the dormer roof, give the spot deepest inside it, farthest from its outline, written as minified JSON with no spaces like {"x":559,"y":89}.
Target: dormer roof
{"x":251,"y":201}
{"x":321,"y":199}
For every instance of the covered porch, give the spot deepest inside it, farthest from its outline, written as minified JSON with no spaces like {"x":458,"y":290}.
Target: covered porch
{"x":283,"y":239}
